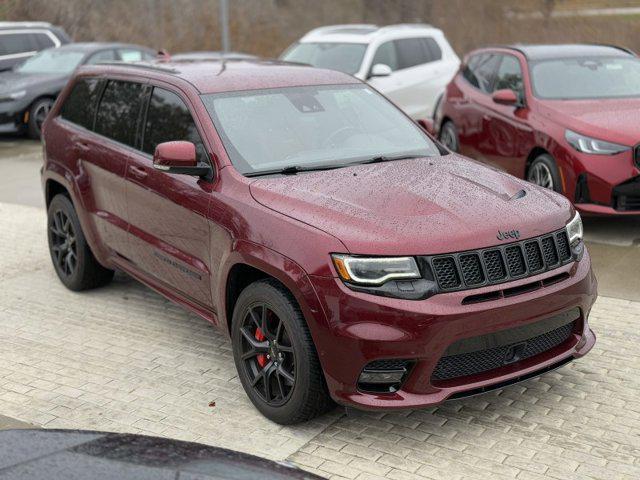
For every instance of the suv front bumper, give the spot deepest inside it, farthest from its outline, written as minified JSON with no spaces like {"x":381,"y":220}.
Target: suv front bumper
{"x":364,"y":328}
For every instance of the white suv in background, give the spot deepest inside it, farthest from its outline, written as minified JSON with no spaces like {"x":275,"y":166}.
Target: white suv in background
{"x":409,"y":63}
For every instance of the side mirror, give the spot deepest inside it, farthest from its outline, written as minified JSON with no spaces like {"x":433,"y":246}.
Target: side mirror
{"x":506,"y":96}
{"x":380,"y":70}
{"x":180,"y":158}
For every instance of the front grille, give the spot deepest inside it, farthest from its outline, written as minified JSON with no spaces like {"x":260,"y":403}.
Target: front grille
{"x":471,"y":363}
{"x":447,"y":272}
{"x":472,"y":269}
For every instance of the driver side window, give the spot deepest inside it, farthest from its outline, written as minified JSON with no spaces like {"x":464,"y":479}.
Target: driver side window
{"x":386,"y":54}
{"x":169,"y":119}
{"x":510,"y":75}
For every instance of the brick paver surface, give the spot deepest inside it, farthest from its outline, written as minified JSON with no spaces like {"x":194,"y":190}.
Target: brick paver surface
{"x":121,"y":358}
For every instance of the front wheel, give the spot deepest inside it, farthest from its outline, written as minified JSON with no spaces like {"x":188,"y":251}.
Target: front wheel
{"x":543,"y":171}
{"x":275,"y":356}
{"x":37,"y":115}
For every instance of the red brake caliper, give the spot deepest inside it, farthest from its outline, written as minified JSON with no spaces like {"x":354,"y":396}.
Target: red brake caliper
{"x":262,"y":358}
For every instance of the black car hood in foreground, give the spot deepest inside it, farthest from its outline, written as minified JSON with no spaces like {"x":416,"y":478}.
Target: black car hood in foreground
{"x":33,"y":83}
{"x":69,"y":454}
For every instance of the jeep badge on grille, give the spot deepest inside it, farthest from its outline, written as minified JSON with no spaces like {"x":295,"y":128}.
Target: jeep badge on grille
{"x":515,"y":234}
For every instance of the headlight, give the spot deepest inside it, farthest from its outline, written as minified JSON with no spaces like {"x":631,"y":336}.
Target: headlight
{"x":375,"y":270}
{"x":574,"y":229}
{"x":6,"y":97}
{"x":592,"y":145}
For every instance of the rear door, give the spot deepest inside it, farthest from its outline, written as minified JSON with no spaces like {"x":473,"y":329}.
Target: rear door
{"x":168,"y":213}
{"x":108,"y":153}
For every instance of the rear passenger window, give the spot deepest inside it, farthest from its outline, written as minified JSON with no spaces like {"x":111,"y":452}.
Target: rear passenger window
{"x":12,"y":43}
{"x":435,"y":53}
{"x":168,"y":119}
{"x":411,"y":52}
{"x":43,"y":41}
{"x":80,"y":105}
{"x":118,"y":112}
{"x":130,"y":55}
{"x":103,"y":56}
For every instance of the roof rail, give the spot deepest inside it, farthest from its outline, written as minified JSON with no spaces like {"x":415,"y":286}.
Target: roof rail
{"x":330,"y":28}
{"x":24,"y":24}
{"x":142,"y":65}
{"x":408,"y":25}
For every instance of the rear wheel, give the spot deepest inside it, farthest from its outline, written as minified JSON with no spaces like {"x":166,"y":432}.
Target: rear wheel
{"x":37,"y":115}
{"x":275,"y":356}
{"x":543,"y":171}
{"x":72,"y":258}
{"x":449,"y":136}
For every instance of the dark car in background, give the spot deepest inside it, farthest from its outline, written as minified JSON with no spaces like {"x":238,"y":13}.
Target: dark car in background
{"x":21,"y":40}
{"x":28,"y":91}
{"x":564,"y":117}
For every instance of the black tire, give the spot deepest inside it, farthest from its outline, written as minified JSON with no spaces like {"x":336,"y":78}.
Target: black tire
{"x":449,"y":136}
{"x":308,"y":397}
{"x":72,"y":258}
{"x":37,"y":114}
{"x":543,"y":171}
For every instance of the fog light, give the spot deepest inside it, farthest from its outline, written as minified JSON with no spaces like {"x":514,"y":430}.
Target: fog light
{"x":378,"y":377}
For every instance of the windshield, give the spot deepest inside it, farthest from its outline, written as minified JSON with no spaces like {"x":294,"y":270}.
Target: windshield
{"x":344,"y":57}
{"x":52,"y":61}
{"x":586,"y":78}
{"x":312,"y":126}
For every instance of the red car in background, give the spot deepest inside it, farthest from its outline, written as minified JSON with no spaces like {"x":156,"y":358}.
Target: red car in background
{"x":566,"y":117}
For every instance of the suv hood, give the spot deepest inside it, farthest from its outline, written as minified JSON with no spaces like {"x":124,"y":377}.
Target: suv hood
{"x":412,"y":207}
{"x":613,"y":120}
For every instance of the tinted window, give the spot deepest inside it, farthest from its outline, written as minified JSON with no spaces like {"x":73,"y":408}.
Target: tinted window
{"x":435,"y":53}
{"x":168,"y":119}
{"x":118,"y":112}
{"x":386,"y":54}
{"x":509,"y":75}
{"x":411,"y":52}
{"x":43,"y":40}
{"x":481,"y":71}
{"x":11,"y":43}
{"x":80,"y":105}
{"x":103,"y":56}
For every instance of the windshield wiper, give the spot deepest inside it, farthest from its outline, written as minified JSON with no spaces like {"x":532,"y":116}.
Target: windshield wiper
{"x":385,"y":158}
{"x":293,"y":169}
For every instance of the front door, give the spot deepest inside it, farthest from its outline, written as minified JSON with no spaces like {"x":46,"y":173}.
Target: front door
{"x":169,"y":231}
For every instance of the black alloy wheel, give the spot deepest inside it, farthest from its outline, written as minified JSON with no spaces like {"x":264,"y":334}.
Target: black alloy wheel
{"x":63,"y":243}
{"x":268,"y":355}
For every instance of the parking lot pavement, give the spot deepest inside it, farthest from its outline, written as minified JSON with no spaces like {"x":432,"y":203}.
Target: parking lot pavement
{"x":123,"y":359}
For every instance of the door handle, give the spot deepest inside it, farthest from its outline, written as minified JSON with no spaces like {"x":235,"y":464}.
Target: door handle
{"x":81,"y":147}
{"x":138,"y":172}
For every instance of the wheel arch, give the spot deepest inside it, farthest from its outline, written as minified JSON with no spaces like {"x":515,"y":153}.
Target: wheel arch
{"x":533,"y":154}
{"x":250,"y":262}
{"x":52,"y":188}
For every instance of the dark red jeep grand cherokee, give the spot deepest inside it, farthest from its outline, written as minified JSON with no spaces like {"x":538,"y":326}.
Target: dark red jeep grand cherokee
{"x":348,"y":256}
